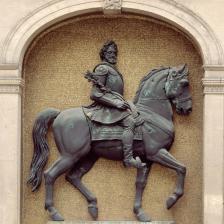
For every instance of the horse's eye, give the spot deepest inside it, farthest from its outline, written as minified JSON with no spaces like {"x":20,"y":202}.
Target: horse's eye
{"x":174,"y":74}
{"x":184,"y":82}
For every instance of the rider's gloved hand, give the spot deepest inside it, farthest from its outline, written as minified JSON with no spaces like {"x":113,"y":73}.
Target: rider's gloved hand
{"x":123,"y":105}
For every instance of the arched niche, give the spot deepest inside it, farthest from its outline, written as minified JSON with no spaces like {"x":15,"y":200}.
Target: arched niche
{"x":53,"y":68}
{"x":175,"y":14}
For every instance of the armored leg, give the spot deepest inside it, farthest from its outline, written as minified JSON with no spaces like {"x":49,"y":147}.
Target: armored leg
{"x":127,"y":139}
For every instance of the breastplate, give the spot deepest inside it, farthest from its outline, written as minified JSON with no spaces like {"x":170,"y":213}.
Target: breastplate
{"x":115,"y":81}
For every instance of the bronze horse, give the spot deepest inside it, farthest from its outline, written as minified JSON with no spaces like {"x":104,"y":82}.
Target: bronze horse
{"x":78,"y":153}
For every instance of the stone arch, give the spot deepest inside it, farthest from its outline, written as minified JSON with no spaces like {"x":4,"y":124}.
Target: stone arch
{"x":23,"y":33}
{"x":170,"y":11}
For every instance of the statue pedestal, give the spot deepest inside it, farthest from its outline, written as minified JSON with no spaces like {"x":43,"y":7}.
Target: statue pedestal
{"x":110,"y":222}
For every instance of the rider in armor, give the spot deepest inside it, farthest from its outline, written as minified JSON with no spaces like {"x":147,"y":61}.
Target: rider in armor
{"x":109,"y":105}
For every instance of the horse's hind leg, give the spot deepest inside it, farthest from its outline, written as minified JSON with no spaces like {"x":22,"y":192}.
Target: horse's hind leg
{"x":59,"y":167}
{"x":75,"y":178}
{"x":164,"y":158}
{"x":141,"y":181}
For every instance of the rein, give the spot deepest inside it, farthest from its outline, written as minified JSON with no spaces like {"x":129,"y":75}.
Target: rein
{"x":184,"y":99}
{"x":144,"y":99}
{"x":156,"y":119}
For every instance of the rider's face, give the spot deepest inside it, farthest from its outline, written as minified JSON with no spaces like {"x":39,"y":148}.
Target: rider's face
{"x":111,"y":55}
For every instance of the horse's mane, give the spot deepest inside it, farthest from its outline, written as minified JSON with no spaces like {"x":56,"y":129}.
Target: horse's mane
{"x":143,"y":80}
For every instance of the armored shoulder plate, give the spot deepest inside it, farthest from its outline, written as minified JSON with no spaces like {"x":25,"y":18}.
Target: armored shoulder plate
{"x":101,"y":70}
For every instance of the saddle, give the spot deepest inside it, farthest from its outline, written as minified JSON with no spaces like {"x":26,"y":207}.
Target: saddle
{"x":113,"y":131}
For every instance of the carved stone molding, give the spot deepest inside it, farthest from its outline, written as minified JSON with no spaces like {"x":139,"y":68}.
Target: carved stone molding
{"x":112,"y":6}
{"x":19,"y":38}
{"x":111,"y":222}
{"x":185,"y":19}
{"x":22,"y":34}
{"x":213,"y":67}
{"x":11,"y":85}
{"x":213,"y":85}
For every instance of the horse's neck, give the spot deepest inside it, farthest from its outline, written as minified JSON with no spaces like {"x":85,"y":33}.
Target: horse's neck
{"x":153,"y":98}
{"x":164,"y":108}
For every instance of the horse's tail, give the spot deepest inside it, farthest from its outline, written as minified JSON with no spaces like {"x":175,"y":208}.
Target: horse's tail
{"x":41,"y":149}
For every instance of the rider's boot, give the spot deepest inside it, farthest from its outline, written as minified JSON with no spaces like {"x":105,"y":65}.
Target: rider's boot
{"x":129,"y":161}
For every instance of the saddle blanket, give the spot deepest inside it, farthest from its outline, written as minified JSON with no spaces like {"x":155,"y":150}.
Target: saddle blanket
{"x":111,"y":132}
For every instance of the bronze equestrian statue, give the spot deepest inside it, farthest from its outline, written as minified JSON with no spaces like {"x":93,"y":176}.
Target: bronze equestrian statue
{"x":79,"y":150}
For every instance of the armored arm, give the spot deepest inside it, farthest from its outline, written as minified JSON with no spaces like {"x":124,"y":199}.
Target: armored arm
{"x":103,"y":98}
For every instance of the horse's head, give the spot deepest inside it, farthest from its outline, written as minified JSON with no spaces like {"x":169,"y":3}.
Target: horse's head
{"x":177,"y":89}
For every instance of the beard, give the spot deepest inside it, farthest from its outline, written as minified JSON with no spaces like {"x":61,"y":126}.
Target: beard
{"x":111,"y":60}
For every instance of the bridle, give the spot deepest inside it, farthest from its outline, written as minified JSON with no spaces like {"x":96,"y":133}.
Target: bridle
{"x":170,"y":78}
{"x":183,"y":99}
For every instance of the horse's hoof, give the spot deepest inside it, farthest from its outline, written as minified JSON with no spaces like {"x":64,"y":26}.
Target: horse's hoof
{"x":142,"y":217}
{"x":93,"y":211}
{"x":57,"y":217}
{"x":171,"y":201}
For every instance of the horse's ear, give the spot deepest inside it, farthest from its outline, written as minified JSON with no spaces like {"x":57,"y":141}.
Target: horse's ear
{"x":184,"y":69}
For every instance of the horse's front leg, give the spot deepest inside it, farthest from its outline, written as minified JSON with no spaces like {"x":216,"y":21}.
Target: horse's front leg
{"x":75,"y":178}
{"x":166,"y":159}
{"x":141,"y":180}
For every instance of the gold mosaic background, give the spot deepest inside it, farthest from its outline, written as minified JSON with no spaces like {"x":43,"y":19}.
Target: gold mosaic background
{"x":53,"y":71}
